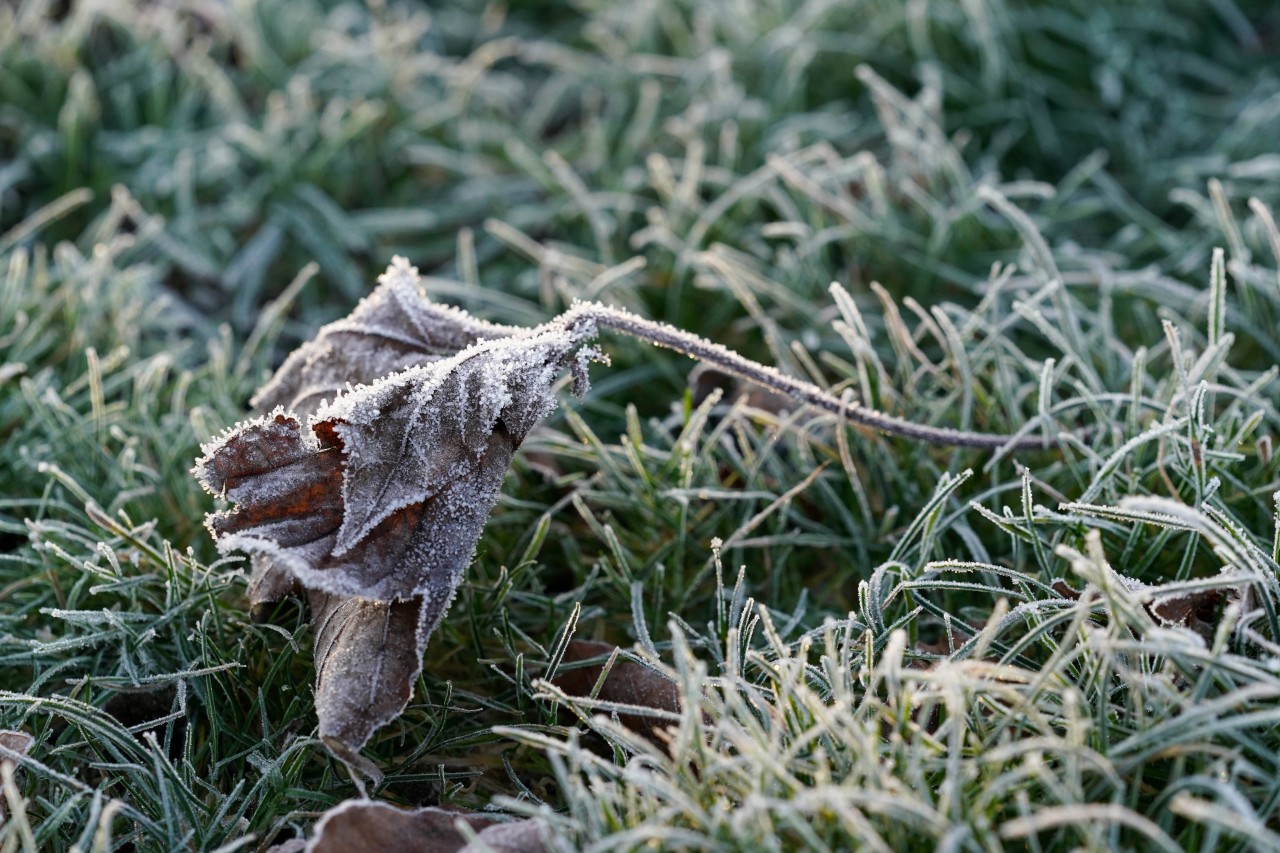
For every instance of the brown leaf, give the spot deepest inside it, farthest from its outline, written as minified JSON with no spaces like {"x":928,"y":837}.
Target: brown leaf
{"x":393,"y":328}
{"x":368,"y":656}
{"x":628,"y":683}
{"x":703,"y":379}
{"x":1066,"y":590}
{"x":386,"y":493}
{"x":375,"y":506}
{"x":368,"y":826}
{"x":517,"y":836}
{"x":1174,"y":605}
{"x":292,"y":506}
{"x":1191,"y":608}
{"x":1199,"y":610}
{"x":269,"y":584}
{"x":19,"y":742}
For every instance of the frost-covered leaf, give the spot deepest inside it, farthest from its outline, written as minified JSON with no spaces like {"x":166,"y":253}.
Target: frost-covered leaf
{"x":393,"y":328}
{"x":411,"y":435}
{"x":368,"y":655}
{"x":374,"y":504}
{"x":269,"y":584}
{"x":369,"y":826}
{"x":385,"y":495}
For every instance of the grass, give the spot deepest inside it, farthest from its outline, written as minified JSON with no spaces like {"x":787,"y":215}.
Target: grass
{"x":875,"y":652}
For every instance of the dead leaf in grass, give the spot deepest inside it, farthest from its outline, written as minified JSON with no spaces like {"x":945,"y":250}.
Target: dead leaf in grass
{"x":13,"y":742}
{"x":19,"y":742}
{"x":1175,"y":605}
{"x":1199,"y":610}
{"x":368,"y":826}
{"x":393,"y":328}
{"x":376,"y":503}
{"x":627,"y":683}
{"x":1066,"y":590}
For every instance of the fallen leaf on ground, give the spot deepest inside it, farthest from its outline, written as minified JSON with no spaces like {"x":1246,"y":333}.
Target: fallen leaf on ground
{"x":394,"y":328}
{"x":369,"y":826}
{"x":1199,"y":610}
{"x":1175,"y":605}
{"x":1066,"y":590}
{"x":627,"y":683}
{"x":19,"y":742}
{"x":375,"y":503}
{"x":14,"y":742}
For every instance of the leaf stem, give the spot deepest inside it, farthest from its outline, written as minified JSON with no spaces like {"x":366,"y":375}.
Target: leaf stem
{"x":664,"y":335}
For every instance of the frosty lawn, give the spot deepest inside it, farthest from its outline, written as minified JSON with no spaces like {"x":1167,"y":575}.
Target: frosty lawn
{"x":1048,"y":221}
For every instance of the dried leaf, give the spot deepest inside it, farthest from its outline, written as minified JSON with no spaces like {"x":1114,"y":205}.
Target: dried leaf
{"x":376,"y":505}
{"x":517,"y":836}
{"x":414,"y":434}
{"x":13,"y":742}
{"x":368,"y":656}
{"x":1066,"y":590}
{"x":269,"y":584}
{"x":19,"y":742}
{"x":1198,"y":610}
{"x":384,"y":497}
{"x":627,"y":683}
{"x":368,"y":826}
{"x":1174,"y":605}
{"x":393,"y":328}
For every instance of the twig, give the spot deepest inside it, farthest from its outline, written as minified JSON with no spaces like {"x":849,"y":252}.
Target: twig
{"x":731,"y":362}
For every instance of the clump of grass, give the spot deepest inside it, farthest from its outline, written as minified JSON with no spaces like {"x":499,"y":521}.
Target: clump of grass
{"x":1060,"y":725}
{"x":963,"y":698}
{"x":122,"y":651}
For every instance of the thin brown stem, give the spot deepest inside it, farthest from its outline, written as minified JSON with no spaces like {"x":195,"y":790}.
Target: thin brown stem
{"x":731,"y":362}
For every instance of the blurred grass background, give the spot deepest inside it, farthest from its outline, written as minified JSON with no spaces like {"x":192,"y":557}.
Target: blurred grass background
{"x":1036,"y":192}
